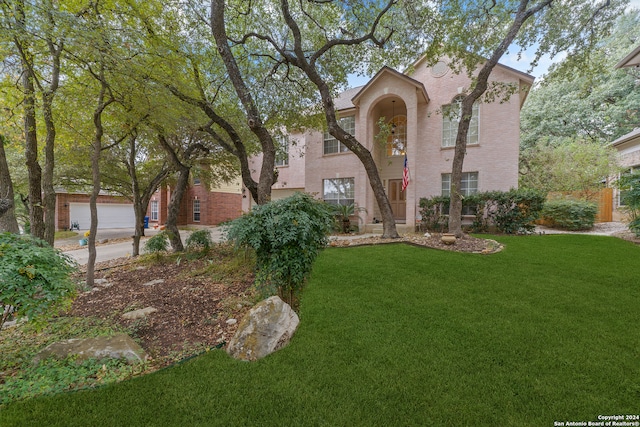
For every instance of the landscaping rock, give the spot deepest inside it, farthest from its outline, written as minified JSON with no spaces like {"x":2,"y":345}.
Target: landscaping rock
{"x":115,"y":347}
{"x":139,"y":314}
{"x":153,"y":282}
{"x":266,"y":328}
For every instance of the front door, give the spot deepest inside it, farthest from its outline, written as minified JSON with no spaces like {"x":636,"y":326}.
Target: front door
{"x":398,"y":199}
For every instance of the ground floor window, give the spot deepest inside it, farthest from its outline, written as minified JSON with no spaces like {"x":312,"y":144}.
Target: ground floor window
{"x":468,"y":186}
{"x":196,"y":210}
{"x":339,"y":191}
{"x":622,"y":193}
{"x":154,"y":210}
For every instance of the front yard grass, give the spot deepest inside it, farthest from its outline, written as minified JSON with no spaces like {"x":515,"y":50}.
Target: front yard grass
{"x":545,"y":331}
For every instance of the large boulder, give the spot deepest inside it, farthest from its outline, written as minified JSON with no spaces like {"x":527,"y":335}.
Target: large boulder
{"x":266,"y":328}
{"x":116,"y":347}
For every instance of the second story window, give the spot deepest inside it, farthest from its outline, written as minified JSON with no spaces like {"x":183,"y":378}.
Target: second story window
{"x":282,"y":151}
{"x":332,"y":145}
{"x":397,"y":140}
{"x":450,"y":120}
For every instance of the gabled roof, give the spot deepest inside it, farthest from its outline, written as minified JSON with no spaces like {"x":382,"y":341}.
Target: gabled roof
{"x":631,"y":60}
{"x":626,"y":138}
{"x":396,"y":74}
{"x":343,"y":101}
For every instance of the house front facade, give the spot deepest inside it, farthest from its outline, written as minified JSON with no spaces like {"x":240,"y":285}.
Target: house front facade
{"x":420,"y":111}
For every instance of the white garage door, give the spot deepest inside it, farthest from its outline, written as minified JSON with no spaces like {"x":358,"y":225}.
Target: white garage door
{"x":109,"y":215}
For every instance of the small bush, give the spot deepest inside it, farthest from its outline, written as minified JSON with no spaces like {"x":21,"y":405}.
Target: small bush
{"x":570,"y":214}
{"x":34,"y":277}
{"x":158,"y":243}
{"x":287,"y":236}
{"x":435,"y":213}
{"x":200,"y":239}
{"x":514,"y":211}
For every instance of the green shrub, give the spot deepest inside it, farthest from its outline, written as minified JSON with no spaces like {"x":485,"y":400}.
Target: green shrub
{"x":434,"y":212}
{"x":200,"y":239}
{"x":510,"y":211}
{"x":34,"y":277}
{"x":157,"y":243}
{"x":570,"y":214}
{"x":343,"y":214}
{"x":287,"y":236}
{"x":514,"y":211}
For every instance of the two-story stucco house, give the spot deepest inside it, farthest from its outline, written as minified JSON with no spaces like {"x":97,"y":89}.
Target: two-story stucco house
{"x":413,"y":105}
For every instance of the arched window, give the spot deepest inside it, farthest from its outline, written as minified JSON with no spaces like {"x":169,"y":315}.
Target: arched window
{"x":397,"y":140}
{"x":451,"y":118}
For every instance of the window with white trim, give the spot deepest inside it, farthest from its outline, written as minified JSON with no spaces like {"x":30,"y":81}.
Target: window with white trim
{"x":622,"y":193}
{"x":154,"y":210}
{"x":282,"y":151}
{"x":196,"y":210}
{"x":332,"y":145}
{"x":468,"y":186}
{"x":397,"y":140}
{"x":451,"y":115}
{"x":339,"y":191}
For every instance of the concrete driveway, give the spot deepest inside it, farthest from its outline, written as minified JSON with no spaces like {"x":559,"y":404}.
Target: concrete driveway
{"x":119,"y":248}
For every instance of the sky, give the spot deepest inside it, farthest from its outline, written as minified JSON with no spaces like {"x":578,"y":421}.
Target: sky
{"x":511,"y":60}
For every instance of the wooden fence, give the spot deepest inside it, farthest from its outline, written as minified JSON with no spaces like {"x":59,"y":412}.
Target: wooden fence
{"x":604,"y":200}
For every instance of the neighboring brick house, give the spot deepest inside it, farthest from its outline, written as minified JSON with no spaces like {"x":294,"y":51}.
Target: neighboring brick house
{"x":200,"y":205}
{"x":413,"y":104}
{"x":73,"y":209}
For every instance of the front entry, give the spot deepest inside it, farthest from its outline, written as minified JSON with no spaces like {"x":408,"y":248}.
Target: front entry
{"x":398,"y":199}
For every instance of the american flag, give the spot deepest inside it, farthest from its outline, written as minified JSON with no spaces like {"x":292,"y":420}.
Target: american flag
{"x":406,"y":177}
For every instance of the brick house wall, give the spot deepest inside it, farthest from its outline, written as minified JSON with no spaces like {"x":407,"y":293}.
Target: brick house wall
{"x":215,"y":206}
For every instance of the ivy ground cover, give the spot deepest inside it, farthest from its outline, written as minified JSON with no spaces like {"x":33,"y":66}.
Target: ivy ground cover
{"x":545,"y":331}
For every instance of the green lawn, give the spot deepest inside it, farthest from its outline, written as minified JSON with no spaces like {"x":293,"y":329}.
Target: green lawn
{"x":393,"y":335}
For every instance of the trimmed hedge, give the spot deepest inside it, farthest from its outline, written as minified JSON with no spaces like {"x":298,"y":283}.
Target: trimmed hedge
{"x":511,"y":212}
{"x":570,"y":214}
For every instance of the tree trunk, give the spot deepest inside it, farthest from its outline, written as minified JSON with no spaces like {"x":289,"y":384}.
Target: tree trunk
{"x":95,"y":173}
{"x":141,"y":200}
{"x":363,"y":154}
{"x":174,"y":208}
{"x":8,"y":221}
{"x":137,"y":202}
{"x":254,"y":120}
{"x":176,"y":195}
{"x":36,"y":219}
{"x":47,"y":178}
{"x":49,"y":163}
{"x":455,"y":207}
